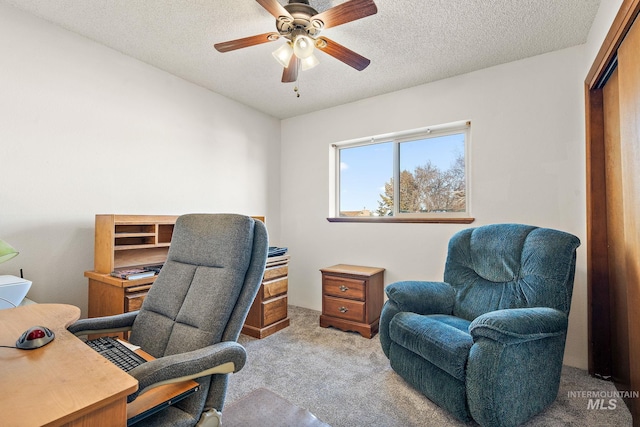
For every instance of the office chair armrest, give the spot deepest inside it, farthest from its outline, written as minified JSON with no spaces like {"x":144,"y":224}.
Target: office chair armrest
{"x":422,"y":297}
{"x":103,"y":325}
{"x":518,"y":325}
{"x":221,"y":358}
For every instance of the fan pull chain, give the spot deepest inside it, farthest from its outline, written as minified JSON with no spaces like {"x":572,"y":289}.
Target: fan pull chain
{"x":296,"y":89}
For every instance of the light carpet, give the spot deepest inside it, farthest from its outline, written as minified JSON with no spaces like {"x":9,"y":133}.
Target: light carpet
{"x":264,"y":408}
{"x":345,"y":380}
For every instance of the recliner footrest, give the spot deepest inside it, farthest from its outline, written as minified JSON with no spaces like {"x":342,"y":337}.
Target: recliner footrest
{"x":442,"y":344}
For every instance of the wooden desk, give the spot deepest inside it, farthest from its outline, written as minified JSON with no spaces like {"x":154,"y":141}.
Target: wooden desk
{"x":64,"y":383}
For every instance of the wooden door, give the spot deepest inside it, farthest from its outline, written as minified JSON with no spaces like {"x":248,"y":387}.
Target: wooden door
{"x":629,"y":103}
{"x":613,"y":205}
{"x":615,"y":225}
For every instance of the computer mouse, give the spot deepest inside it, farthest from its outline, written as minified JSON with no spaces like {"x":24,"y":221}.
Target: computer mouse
{"x":35,"y":337}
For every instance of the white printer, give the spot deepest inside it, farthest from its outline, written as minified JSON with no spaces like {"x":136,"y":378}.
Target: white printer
{"x":12,"y":291}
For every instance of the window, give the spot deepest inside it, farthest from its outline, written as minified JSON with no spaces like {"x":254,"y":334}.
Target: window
{"x":414,"y":176}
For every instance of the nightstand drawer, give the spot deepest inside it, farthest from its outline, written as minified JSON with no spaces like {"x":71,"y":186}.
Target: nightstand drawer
{"x":275,"y":287}
{"x":343,"y":308}
{"x":343,"y":287}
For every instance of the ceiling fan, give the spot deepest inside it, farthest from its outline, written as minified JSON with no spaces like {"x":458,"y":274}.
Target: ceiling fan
{"x":300,"y":24}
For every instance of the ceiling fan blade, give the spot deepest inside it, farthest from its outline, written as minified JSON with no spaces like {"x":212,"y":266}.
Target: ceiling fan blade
{"x":246,"y":42}
{"x":343,"y":54}
{"x":290,"y":74}
{"x":274,"y":8}
{"x":346,"y":12}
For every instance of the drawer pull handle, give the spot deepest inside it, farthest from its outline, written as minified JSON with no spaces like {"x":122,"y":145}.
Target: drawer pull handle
{"x":343,"y":288}
{"x":343,"y":309}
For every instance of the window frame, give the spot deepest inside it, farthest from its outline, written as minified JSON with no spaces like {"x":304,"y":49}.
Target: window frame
{"x":397,"y":138}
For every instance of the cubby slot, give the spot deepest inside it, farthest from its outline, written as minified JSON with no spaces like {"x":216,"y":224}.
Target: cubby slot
{"x":126,"y":242}
{"x":165,"y":232}
{"x":140,"y":257}
{"x":135,"y":229}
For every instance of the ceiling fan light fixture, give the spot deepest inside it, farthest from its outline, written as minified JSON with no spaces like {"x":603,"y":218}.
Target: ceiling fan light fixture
{"x":303,"y":46}
{"x":300,"y":25}
{"x":309,"y":62}
{"x":283,"y":54}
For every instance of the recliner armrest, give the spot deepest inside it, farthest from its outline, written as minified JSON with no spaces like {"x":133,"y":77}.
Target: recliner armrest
{"x":422,"y":297}
{"x":220,"y":358}
{"x":517,"y":325}
{"x":106,"y":324}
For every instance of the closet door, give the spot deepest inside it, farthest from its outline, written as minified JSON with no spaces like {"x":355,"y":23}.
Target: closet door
{"x":616,"y":230}
{"x":613,"y":205}
{"x":629,"y":95}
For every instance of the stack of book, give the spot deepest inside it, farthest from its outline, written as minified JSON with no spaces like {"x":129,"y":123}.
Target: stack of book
{"x":276,"y":251}
{"x":136,"y":273}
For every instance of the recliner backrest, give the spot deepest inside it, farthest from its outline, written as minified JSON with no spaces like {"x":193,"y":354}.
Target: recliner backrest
{"x":504,"y":266}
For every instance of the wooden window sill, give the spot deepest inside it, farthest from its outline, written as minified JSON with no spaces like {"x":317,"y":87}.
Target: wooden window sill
{"x":403,"y":220}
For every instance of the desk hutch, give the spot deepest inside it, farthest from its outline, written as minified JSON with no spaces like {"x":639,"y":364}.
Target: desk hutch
{"x":128,"y":241}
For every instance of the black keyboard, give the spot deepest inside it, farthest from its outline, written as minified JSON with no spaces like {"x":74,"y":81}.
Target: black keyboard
{"x":116,"y":352}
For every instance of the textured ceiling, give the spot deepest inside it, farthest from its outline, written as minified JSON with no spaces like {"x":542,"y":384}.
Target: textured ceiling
{"x":409,"y":42}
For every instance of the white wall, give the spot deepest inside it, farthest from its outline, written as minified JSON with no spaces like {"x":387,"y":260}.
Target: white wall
{"x":87,"y":130}
{"x":528,"y":166}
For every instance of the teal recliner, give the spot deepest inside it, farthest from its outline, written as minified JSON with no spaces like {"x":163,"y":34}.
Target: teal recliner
{"x":487,"y":343}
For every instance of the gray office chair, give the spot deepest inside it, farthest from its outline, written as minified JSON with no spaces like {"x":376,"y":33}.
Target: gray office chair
{"x":192,"y":316}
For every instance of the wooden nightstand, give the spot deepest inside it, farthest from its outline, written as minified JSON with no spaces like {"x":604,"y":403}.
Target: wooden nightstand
{"x":352,"y":298}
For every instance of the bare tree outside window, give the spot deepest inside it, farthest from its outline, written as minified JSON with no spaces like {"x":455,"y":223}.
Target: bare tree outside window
{"x":427,"y":189}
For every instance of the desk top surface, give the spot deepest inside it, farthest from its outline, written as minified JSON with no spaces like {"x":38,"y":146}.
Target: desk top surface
{"x":58,"y":382}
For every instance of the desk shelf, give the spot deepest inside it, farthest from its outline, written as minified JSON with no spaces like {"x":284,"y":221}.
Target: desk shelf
{"x":125,"y":241}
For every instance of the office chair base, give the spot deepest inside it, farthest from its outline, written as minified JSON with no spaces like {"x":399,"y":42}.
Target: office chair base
{"x":210,"y":418}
